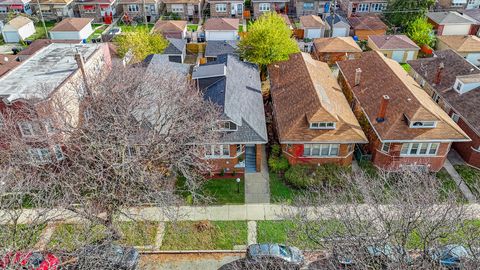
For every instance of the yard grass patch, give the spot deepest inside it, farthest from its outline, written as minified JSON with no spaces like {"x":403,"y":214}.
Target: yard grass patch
{"x":280,"y":191}
{"x":216,"y":191}
{"x":206,"y":235}
{"x":23,"y":236}
{"x":461,"y":235}
{"x":192,"y":27}
{"x":140,"y":233}
{"x":406,"y":67}
{"x":449,"y":186}
{"x":40,"y":30}
{"x":471,"y":176}
{"x":131,"y":28}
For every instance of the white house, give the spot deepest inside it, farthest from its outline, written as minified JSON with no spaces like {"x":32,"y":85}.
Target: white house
{"x":313,"y":26}
{"x":221,"y":29}
{"x":18,"y":29}
{"x":72,"y":29}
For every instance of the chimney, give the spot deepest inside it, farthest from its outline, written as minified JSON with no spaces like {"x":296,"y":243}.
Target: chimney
{"x":438,"y":77}
{"x":358,"y":75}
{"x":81,"y":65}
{"x":383,"y":109}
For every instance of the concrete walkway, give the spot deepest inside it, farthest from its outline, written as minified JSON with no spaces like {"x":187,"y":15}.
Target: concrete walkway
{"x":252,"y":232}
{"x":257,"y":187}
{"x":45,"y":236}
{"x":459,"y":181}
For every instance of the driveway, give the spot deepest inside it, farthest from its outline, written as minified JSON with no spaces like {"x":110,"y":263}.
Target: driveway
{"x":188,"y":261}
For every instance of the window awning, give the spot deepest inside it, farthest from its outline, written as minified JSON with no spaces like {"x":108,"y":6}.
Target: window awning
{"x":88,"y":7}
{"x":104,"y":6}
{"x":16,"y":7}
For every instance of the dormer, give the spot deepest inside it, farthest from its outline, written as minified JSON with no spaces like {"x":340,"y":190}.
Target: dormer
{"x":225,"y":125}
{"x":322,"y":125}
{"x":466,"y":83}
{"x":423,"y":124}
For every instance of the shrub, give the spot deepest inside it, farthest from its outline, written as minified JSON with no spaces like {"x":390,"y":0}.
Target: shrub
{"x":278,"y":164}
{"x":305,"y":176}
{"x":300,"y":176}
{"x":276,"y":150}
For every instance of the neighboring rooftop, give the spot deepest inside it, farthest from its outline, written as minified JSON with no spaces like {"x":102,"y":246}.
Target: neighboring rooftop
{"x":175,"y":46}
{"x":367,"y":23}
{"x":17,"y":23}
{"x":235,"y":86}
{"x":473,"y":14}
{"x":312,"y":21}
{"x":170,"y":26}
{"x":462,"y":44}
{"x":7,"y":63}
{"x":160,"y":62}
{"x":304,"y":90}
{"x":382,"y":76}
{"x":220,"y":24}
{"x":45,"y":70}
{"x":215,"y":48}
{"x":454,"y":66}
{"x":335,"y":19}
{"x":71,"y":24}
{"x":393,"y":42}
{"x":336,"y":44}
{"x":449,"y":17}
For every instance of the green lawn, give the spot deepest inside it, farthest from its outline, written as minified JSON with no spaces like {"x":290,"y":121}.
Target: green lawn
{"x":131,"y":28}
{"x":192,"y":27}
{"x":406,"y":66}
{"x":216,"y":191}
{"x":471,"y":176}
{"x":280,"y":191}
{"x":98,"y":30}
{"x":206,"y":235}
{"x":290,"y":233}
{"x":71,"y":236}
{"x":22,"y":236}
{"x":40,"y":30}
{"x":449,"y":186}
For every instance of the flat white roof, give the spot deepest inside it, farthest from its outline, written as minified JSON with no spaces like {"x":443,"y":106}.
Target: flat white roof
{"x":42,"y":73}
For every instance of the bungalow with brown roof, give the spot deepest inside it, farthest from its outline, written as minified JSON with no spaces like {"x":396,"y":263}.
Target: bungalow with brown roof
{"x":454,"y":84}
{"x":404,"y":126}
{"x":397,"y":47}
{"x":335,"y":49}
{"x":221,"y":29}
{"x":366,"y":26}
{"x":55,"y":9}
{"x":314,"y":122}
{"x":466,"y":46}
{"x":135,"y":9}
{"x":171,"y":29}
{"x":313,"y":26}
{"x":186,"y":9}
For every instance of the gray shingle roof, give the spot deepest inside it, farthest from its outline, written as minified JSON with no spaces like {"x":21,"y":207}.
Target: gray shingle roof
{"x":175,"y":47}
{"x":215,"y":48}
{"x":451,"y":17}
{"x":238,"y":93}
{"x":160,"y":62}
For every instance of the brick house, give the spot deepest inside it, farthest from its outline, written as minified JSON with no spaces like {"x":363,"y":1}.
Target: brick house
{"x":55,"y":9}
{"x":235,"y":87}
{"x":314,"y":122}
{"x":362,"y":7}
{"x":53,"y":71}
{"x":226,"y":9}
{"x":186,"y":9}
{"x":366,"y":26}
{"x":15,"y":6}
{"x":457,"y":4}
{"x":404,"y":126}
{"x":135,"y":9}
{"x":312,"y":7}
{"x":335,"y":49}
{"x":262,"y":6}
{"x":451,"y":23}
{"x":97,"y":9}
{"x":454,"y":84}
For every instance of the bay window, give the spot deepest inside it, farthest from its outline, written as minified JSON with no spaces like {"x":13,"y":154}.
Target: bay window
{"x":419,"y":149}
{"x":320,"y":150}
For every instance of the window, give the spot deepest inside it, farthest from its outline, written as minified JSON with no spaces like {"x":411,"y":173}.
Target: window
{"x":436,"y":97}
{"x":385,"y":147}
{"x":455,"y":117}
{"x":3,"y":10}
{"x":221,"y":7}
{"x":307,"y":6}
{"x":226,"y":126}
{"x":378,"y":7}
{"x":264,"y":6}
{"x":49,"y":126}
{"x":362,"y":7}
{"x":58,"y":152}
{"x":89,"y":9}
{"x":26,"y":128}
{"x":217,"y":150}
{"x":322,"y":125}
{"x":419,"y":149}
{"x":422,"y":82}
{"x":177,"y":8}
{"x":320,"y":150}
{"x":423,"y":124}
{"x":459,"y":86}
{"x":133,"y":8}
{"x":39,"y":155}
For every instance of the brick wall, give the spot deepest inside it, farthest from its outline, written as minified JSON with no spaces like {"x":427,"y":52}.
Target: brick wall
{"x":214,"y":13}
{"x":226,"y":164}
{"x":344,"y":159}
{"x":258,"y":157}
{"x":465,"y":149}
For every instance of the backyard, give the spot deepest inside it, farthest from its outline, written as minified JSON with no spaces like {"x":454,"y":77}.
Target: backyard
{"x":131,"y":28}
{"x":40,"y":30}
{"x":98,"y":30}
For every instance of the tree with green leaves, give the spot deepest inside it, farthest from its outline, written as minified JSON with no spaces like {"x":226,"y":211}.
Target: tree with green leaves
{"x":401,"y":13}
{"x":269,"y":40}
{"x":141,"y":43}
{"x":421,"y":32}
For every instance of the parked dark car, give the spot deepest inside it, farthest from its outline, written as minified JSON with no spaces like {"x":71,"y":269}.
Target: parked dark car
{"x":30,"y":261}
{"x":274,"y":252}
{"x":451,"y":256}
{"x":108,"y":257}
{"x":379,"y":256}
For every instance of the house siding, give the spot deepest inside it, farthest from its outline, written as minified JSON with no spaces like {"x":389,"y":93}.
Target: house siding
{"x":273,"y":8}
{"x":349,"y":7}
{"x":227,"y":165}
{"x":318,"y":8}
{"x":184,"y":15}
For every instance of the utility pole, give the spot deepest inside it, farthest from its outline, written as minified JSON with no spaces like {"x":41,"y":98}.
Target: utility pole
{"x":144,"y":14}
{"x":41,"y":18}
{"x":333,"y":5}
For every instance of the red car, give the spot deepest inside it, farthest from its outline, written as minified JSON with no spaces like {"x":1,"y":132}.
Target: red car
{"x":30,"y":261}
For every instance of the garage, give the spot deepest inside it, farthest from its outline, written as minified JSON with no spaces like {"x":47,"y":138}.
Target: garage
{"x":398,"y":56}
{"x":313,"y":33}
{"x":456,"y":29}
{"x":340,"y":32}
{"x":72,"y":29}
{"x":221,"y":35}
{"x":18,"y":29}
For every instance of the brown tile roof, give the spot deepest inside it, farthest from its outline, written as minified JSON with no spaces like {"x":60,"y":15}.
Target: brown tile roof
{"x":7,"y":63}
{"x":336,"y":44}
{"x":304,"y":89}
{"x":382,"y":76}
{"x":367,"y":23}
{"x":19,"y":21}
{"x":71,"y":24}
{"x":393,"y":42}
{"x":221,"y":24}
{"x":169,"y":26}
{"x":466,"y":104}
{"x":462,"y":43}
{"x":312,"y":21}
